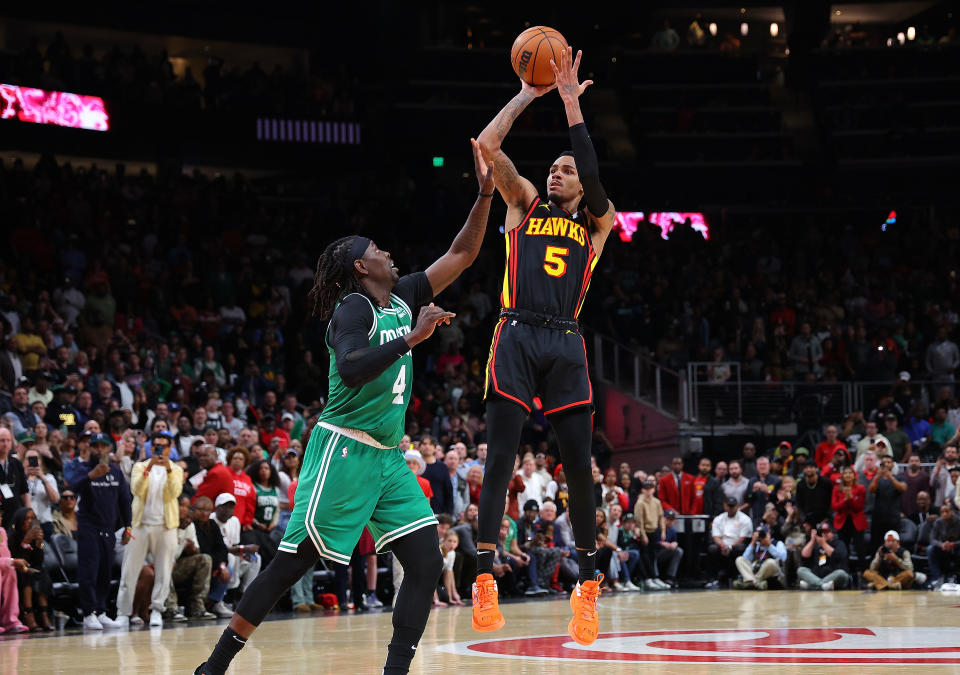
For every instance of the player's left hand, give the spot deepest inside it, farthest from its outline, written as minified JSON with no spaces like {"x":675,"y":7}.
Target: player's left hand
{"x":484,"y":169}
{"x":569,"y":87}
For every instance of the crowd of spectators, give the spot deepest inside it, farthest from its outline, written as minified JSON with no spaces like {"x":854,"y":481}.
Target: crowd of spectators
{"x":163,"y":373}
{"x":131,"y":75}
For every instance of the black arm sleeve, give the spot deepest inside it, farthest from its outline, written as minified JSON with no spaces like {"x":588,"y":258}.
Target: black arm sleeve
{"x":593,"y":192}
{"x":415,"y":290}
{"x":349,"y":336}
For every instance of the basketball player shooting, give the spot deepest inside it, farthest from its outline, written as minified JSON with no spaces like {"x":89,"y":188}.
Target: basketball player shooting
{"x":537,"y":349}
{"x":355,"y":440}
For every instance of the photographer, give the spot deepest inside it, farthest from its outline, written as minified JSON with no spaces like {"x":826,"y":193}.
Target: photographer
{"x":762,"y":560}
{"x":891,"y":567}
{"x":823,"y":561}
{"x":156,"y":484}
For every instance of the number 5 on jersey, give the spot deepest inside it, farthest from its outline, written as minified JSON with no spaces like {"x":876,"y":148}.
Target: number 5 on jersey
{"x":553,"y":261}
{"x":400,"y":386}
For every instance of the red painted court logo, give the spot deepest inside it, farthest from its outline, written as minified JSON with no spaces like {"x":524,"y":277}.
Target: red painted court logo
{"x":787,"y":646}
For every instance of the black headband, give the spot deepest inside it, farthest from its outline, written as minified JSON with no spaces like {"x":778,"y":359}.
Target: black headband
{"x":357,"y":249}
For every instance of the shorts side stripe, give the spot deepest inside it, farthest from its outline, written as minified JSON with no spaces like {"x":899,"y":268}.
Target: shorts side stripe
{"x":315,"y":501}
{"x":406,"y":529}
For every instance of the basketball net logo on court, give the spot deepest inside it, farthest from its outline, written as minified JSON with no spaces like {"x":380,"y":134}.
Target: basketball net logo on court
{"x":782,"y":646}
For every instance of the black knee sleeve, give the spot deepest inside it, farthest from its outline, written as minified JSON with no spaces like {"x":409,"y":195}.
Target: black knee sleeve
{"x":282,"y":573}
{"x":574,"y":433}
{"x":419,"y":555}
{"x":504,"y":424}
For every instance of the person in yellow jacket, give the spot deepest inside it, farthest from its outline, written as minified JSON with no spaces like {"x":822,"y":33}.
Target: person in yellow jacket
{"x":156,"y":485}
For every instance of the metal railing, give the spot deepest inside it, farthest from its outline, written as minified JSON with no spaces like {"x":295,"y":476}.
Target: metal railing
{"x":719,"y":395}
{"x":640,"y":376}
{"x":716,"y":392}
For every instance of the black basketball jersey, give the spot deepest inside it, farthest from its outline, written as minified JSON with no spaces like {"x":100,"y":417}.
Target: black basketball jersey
{"x":550,"y":259}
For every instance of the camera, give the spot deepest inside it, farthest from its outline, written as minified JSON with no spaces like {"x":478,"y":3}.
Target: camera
{"x":33,"y":461}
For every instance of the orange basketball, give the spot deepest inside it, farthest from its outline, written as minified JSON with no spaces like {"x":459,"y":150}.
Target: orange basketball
{"x":531,"y":53}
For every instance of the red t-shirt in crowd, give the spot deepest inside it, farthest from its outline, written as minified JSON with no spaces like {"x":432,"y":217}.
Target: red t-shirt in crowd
{"x":246,"y":496}
{"x":266,"y":437}
{"x":825,"y":452}
{"x":218,"y":480}
{"x":698,"y":483}
{"x":425,"y":486}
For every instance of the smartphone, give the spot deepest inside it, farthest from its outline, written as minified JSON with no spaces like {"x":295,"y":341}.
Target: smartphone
{"x":157,"y":450}
{"x":33,"y":461}
{"x":105,"y":459}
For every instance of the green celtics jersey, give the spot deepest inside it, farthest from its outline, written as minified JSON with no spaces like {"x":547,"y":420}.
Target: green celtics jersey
{"x":378,"y":407}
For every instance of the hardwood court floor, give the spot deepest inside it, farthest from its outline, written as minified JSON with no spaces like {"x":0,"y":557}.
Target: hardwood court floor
{"x":688,"y":632}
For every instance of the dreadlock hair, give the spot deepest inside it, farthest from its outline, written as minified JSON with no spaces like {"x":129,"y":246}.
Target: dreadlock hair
{"x":334,"y":279}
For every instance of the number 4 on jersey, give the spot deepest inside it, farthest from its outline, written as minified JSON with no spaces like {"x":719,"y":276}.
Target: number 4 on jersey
{"x":553,"y":261}
{"x":400,"y":386}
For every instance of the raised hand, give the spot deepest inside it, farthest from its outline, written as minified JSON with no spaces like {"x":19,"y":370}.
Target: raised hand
{"x":568,"y":85}
{"x":483,"y":169}
{"x":538,"y":90}
{"x":429,"y":318}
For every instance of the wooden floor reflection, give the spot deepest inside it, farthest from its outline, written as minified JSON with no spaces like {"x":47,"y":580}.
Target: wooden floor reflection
{"x":696,"y":632}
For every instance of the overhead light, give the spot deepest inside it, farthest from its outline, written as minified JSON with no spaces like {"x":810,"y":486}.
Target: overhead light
{"x":911,"y":33}
{"x":743,"y":10}
{"x":786,"y":52}
{"x":901,"y":38}
{"x":838,"y":12}
{"x":889,"y":42}
{"x":713,"y":29}
{"x":744,"y":29}
{"x":774,"y":30}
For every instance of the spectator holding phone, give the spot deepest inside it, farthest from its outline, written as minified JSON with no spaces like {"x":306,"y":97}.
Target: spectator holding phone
{"x":104,"y":502}
{"x":33,"y":582}
{"x":156,"y":485}
{"x":43,"y":491}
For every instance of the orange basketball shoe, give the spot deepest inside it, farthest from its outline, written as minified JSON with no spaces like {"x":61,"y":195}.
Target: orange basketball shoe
{"x":486,"y":607}
{"x":585,"y":624}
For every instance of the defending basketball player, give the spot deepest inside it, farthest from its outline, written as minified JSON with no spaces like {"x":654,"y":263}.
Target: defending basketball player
{"x":537,"y":350}
{"x":353,"y":474}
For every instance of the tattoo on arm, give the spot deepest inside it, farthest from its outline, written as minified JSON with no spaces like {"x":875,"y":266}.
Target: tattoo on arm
{"x":505,"y":174}
{"x":510,"y":113}
{"x":470,"y":237}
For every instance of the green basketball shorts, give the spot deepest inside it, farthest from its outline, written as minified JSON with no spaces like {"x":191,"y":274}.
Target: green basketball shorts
{"x":346,"y":485}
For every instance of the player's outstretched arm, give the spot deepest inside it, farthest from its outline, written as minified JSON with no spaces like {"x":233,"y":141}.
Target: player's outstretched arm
{"x":600,"y":209}
{"x":516,"y":190}
{"x":466,"y":245}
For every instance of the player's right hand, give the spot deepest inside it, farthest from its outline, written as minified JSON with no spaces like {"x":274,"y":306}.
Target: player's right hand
{"x":537,"y":91}
{"x":429,"y":318}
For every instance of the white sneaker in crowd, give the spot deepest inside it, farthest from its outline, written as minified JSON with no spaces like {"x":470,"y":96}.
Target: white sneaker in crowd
{"x":630,"y":586}
{"x":617,"y":586}
{"x":804,"y":585}
{"x":122,"y":621}
{"x":107,"y":622}
{"x":90,"y":622}
{"x":156,"y":619}
{"x":136,"y":621}
{"x":826,"y":586}
{"x":221,"y":610}
{"x":373,"y":602}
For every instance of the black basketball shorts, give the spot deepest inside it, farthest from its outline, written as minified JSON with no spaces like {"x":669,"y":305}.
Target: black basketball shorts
{"x":527,"y":361}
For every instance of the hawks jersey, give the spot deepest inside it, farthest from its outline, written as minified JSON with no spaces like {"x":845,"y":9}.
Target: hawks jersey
{"x":377,"y":407}
{"x":550,"y":259}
